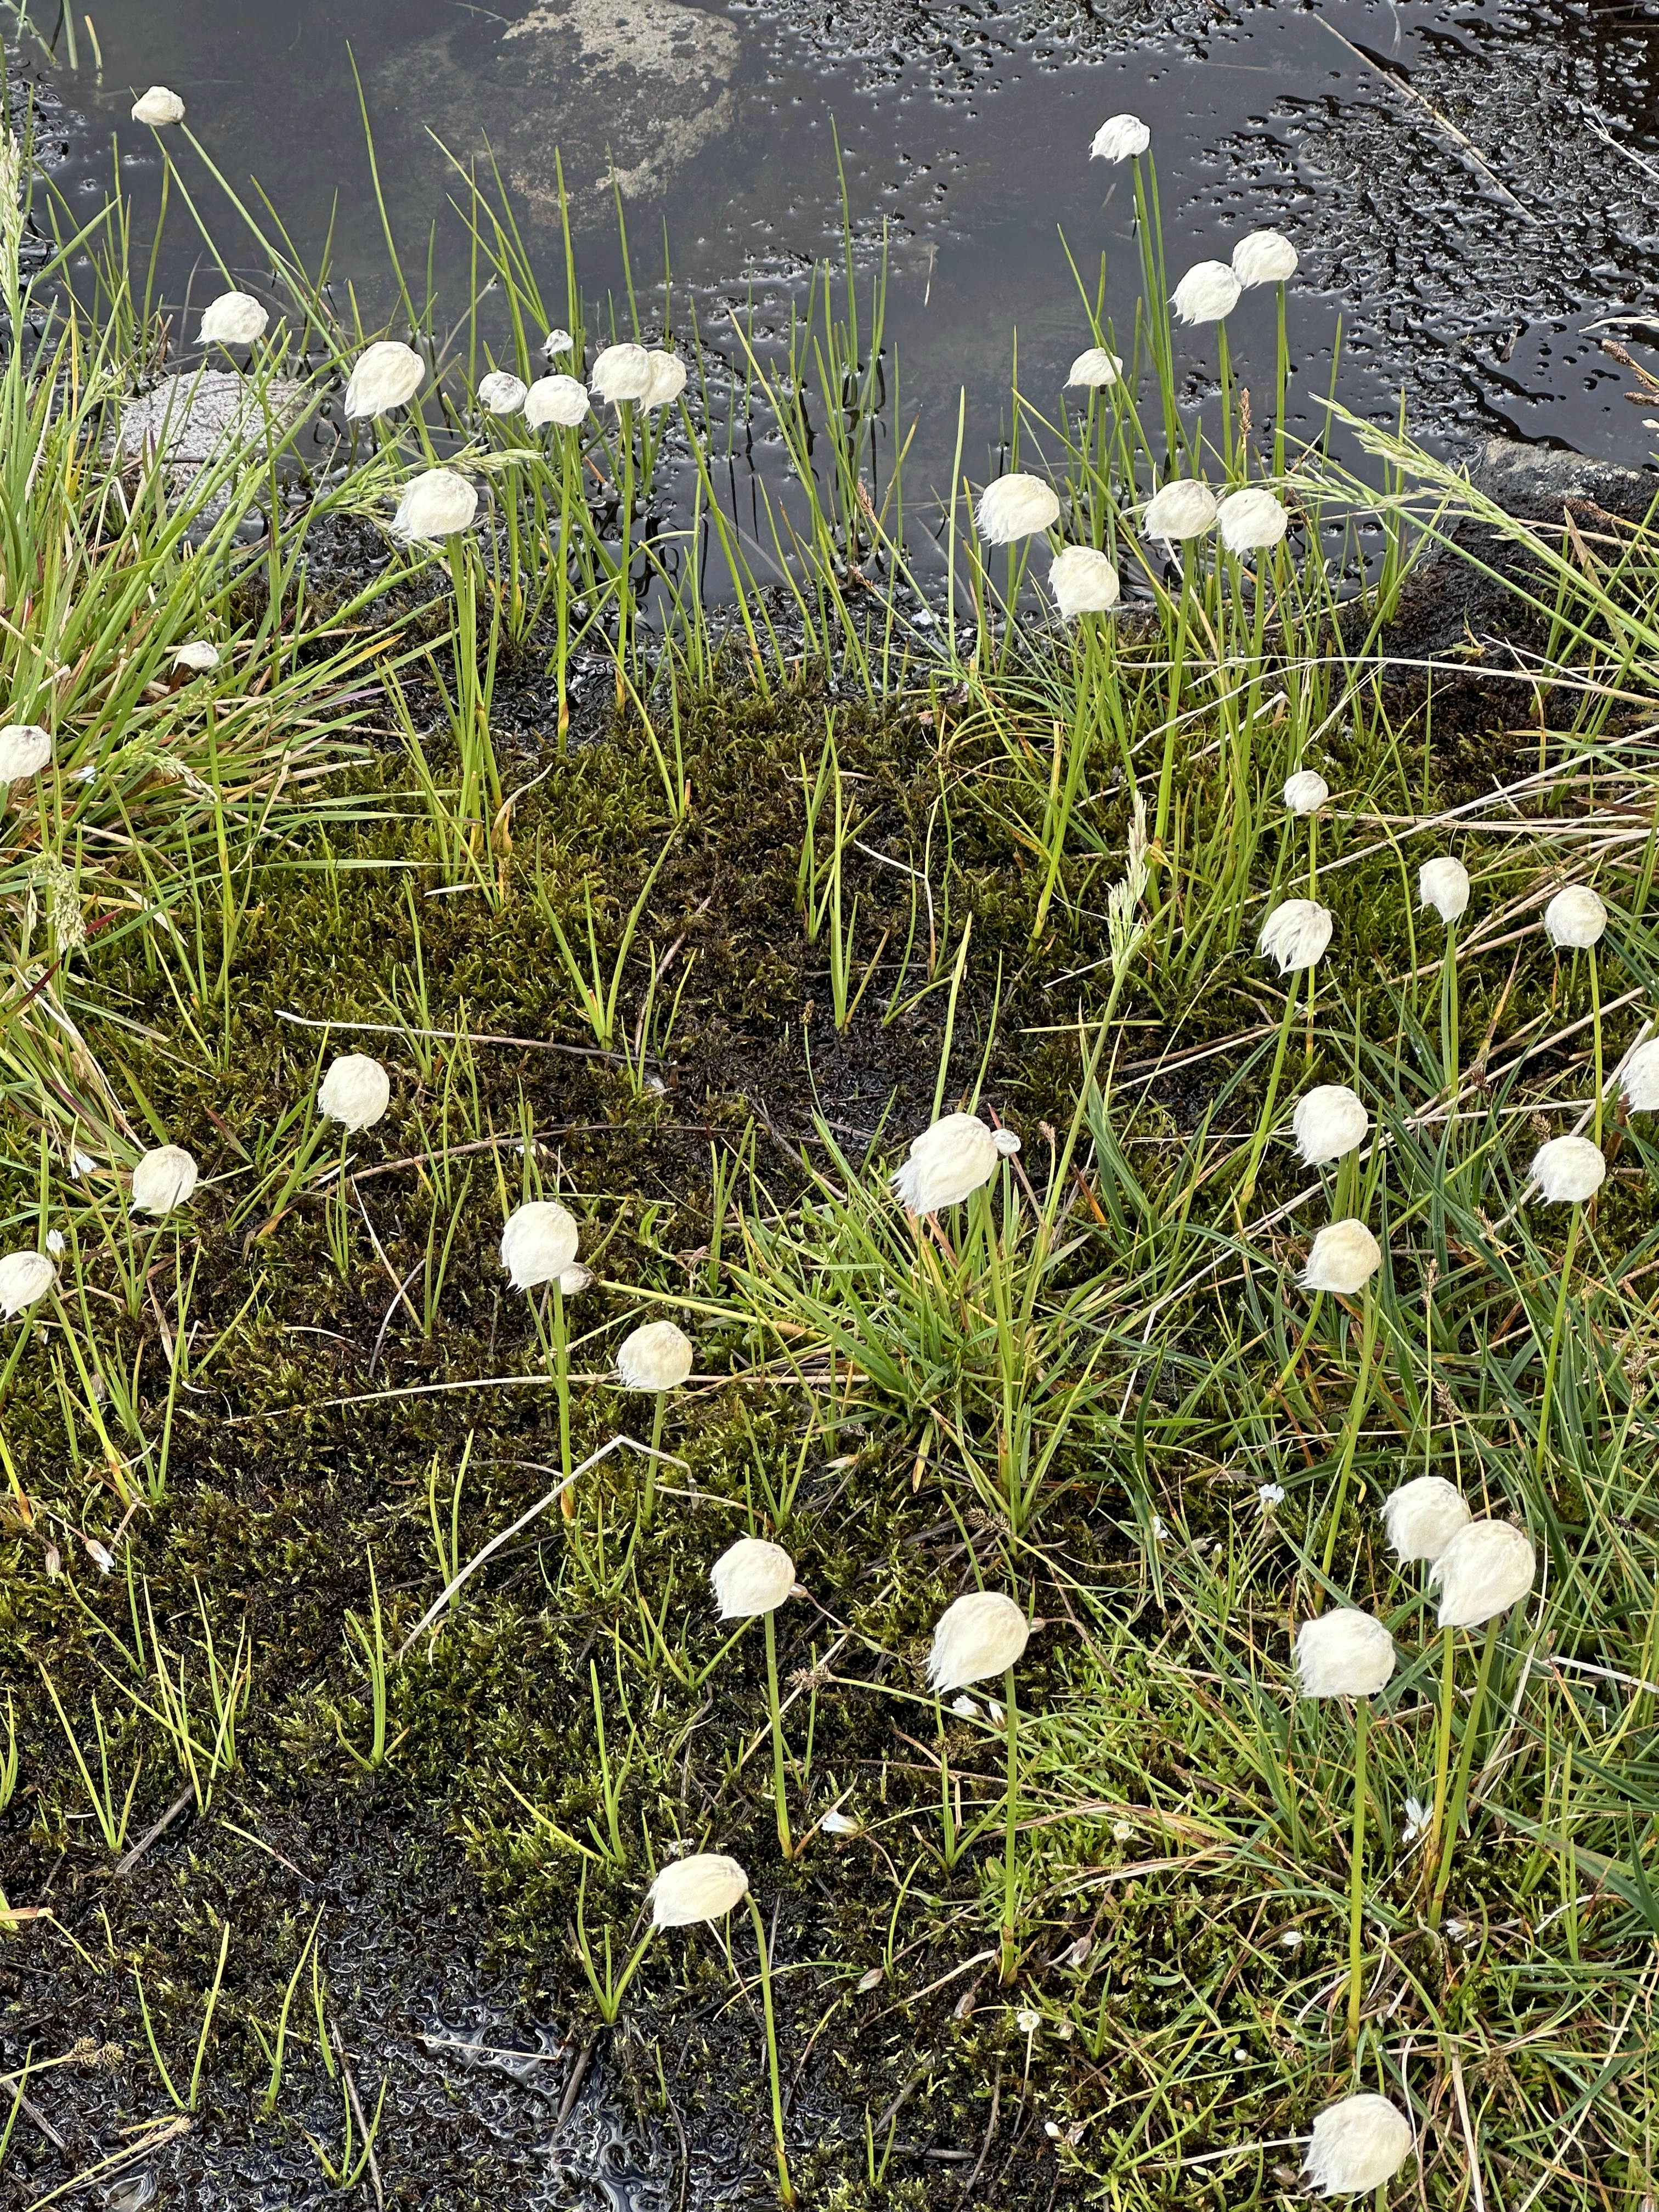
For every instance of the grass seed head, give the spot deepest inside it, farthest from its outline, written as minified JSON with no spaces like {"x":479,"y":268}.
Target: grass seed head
{"x":501,"y":392}
{"x":163,"y":1178}
{"x":950,"y":1162}
{"x":1485,"y":1570}
{"x":1016,"y":506}
{"x":664,"y":379}
{"x":356,"y":1091}
{"x":621,"y":371}
{"x":1344,"y":1258}
{"x":1208,"y":292}
{"x":1343,"y":1654}
{"x":655,"y":1357}
{"x":1250,"y":521}
{"x":704,"y":1886}
{"x":1264,"y":257}
{"x":387,"y":374}
{"x":1443,"y":884}
{"x":437,"y":503}
{"x":1306,"y":792}
{"x":25,"y":749}
{"x":1568,"y":1169}
{"x":537,"y":1244}
{"x":1329,"y":1121}
{"x":157,"y":107}
{"x":1119,"y":137}
{"x":235,"y":319}
{"x":1422,"y":1516}
{"x":1184,"y":508}
{"x":24,"y":1278}
{"x":980,"y":1635}
{"x":1296,"y":935}
{"x":751,"y":1578}
{"x":1574,"y":919}
{"x":561,"y":399}
{"x":1095,"y":368}
{"x":1358,"y":2143}
{"x":1083,"y":582}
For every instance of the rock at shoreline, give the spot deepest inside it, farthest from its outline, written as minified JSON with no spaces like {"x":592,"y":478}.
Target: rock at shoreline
{"x":644,"y":85}
{"x":197,"y":418}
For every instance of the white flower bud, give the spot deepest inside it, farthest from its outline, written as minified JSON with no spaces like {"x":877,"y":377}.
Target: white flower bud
{"x":157,"y":107}
{"x":1119,"y":137}
{"x":386,"y":375}
{"x":561,"y":399}
{"x":1485,"y":1570}
{"x":538,"y":1242}
{"x":751,"y":1578}
{"x":573,"y":1280}
{"x":1574,"y":919}
{"x":621,"y":371}
{"x":1095,"y":368}
{"x":839,"y":1824}
{"x":198,"y":655}
{"x":1083,"y":582}
{"x":950,"y":1162}
{"x":704,"y":1886}
{"x":233,"y":318}
{"x":657,"y":1357}
{"x":1358,"y":2144}
{"x":1264,"y":257}
{"x":1250,"y":521}
{"x":1345,"y":1654}
{"x":1567,"y":1170}
{"x":163,"y":1179}
{"x":981,"y":1634}
{"x":1329,"y":1121}
{"x":25,"y":749}
{"x":1422,"y":1516}
{"x":1184,"y":508}
{"x":1306,"y":792}
{"x":1640,"y":1081}
{"x":1296,"y":935}
{"x":357,"y":1091}
{"x":664,"y":379}
{"x":437,"y":503}
{"x":1444,"y":884}
{"x":501,"y":392}
{"x":1344,"y":1258}
{"x":24,"y":1277}
{"x":1208,"y":292}
{"x":1016,"y":506}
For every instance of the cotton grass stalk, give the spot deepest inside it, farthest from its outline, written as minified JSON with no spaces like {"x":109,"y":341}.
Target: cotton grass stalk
{"x":983,"y":1634}
{"x":1568,"y":1171}
{"x":356,"y":1091}
{"x":436,"y":504}
{"x":657,"y":1358}
{"x":1296,"y":935}
{"x":1349,"y":1654}
{"x":751,"y":1579}
{"x":1251,"y":521}
{"x":622,"y":374}
{"x":1264,"y":257}
{"x":1183,"y":508}
{"x":1421,"y":1517}
{"x":538,"y":1246}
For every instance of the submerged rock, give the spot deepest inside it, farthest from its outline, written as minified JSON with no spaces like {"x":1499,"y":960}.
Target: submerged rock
{"x":644,"y":85}
{"x":202,"y":416}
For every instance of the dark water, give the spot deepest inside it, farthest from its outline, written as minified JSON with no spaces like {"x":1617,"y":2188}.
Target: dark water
{"x":1466,"y":257}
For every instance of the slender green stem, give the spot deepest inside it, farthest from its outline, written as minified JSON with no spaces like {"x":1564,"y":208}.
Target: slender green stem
{"x":1010,"y":1859}
{"x":785,"y":2187}
{"x":561,"y":1390}
{"x":1264,"y":1119}
{"x":780,"y":1792}
{"x":1442,"y":1746}
{"x":1595,"y":1036}
{"x":1448,"y":1051}
{"x":1357,"y":1873}
{"x":649,"y":1506}
{"x":1553,"y":1348}
{"x":1355,"y":1415}
{"x":1465,"y":1763}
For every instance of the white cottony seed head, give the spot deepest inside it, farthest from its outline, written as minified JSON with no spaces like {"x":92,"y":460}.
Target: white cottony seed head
{"x":751,"y":1578}
{"x":157,"y":107}
{"x":1095,"y":368}
{"x":1344,"y":1258}
{"x":1485,"y":1570}
{"x":705,"y":1886}
{"x":1422,"y":1516}
{"x":1118,"y":137}
{"x":980,"y":1635}
{"x":24,"y":1277}
{"x":1083,"y":582}
{"x":1574,"y":919}
{"x":1358,"y":2144}
{"x":1443,"y":884}
{"x":25,"y":749}
{"x":664,"y":379}
{"x":1296,"y":935}
{"x":501,"y":392}
{"x":357,"y":1091}
{"x":1306,"y":792}
{"x":1250,"y":521}
{"x":1264,"y":257}
{"x":1639,"y":1082}
{"x":198,"y":654}
{"x":1016,"y":506}
{"x":1184,"y":508}
{"x":554,"y":344}
{"x":1206,"y":294}
{"x":950,"y":1162}
{"x":233,"y":318}
{"x":839,"y":1824}
{"x":1329,"y":1121}
{"x":387,"y":374}
{"x":1567,"y":1170}
{"x":657,"y":1357}
{"x":435,"y":504}
{"x":621,"y":371}
{"x":163,"y":1179}
{"x":538,"y":1242}
{"x":1345,"y":1654}
{"x":561,"y":399}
